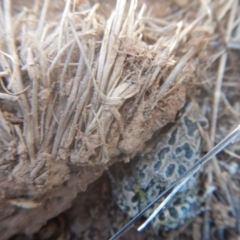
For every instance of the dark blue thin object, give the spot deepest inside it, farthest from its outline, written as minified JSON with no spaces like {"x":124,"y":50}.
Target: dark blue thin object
{"x":214,"y":151}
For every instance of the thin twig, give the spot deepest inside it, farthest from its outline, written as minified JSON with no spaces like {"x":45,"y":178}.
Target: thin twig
{"x":8,"y":97}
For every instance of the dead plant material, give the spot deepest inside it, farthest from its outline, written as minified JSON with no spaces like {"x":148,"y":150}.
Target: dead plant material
{"x":222,"y":216}
{"x":81,"y":91}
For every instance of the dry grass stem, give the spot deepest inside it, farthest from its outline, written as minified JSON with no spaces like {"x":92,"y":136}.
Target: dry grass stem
{"x":85,"y":88}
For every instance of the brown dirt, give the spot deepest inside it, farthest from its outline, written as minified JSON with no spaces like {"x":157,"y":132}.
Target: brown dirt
{"x":27,"y":203}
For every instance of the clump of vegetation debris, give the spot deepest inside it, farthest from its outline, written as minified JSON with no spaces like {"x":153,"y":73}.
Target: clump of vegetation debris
{"x":82,"y":88}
